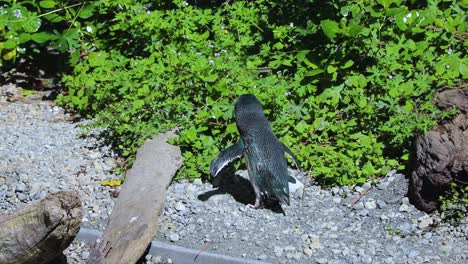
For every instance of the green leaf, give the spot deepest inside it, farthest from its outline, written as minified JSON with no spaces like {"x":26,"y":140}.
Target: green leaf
{"x":408,"y":106}
{"x":331,"y":69}
{"x":313,"y":72}
{"x":347,"y":64}
{"x":329,"y":28}
{"x":463,"y":70}
{"x":137,"y":104}
{"x":31,"y":24}
{"x":209,"y":78}
{"x":41,"y":37}
{"x":354,"y":29}
{"x":362,"y":102}
{"x":301,"y":126}
{"x":231,"y":128}
{"x":54,"y":18}
{"x":47,"y":4}
{"x":24,"y":37}
{"x":97,"y":58}
{"x":9,"y":55}
{"x":10,"y":44}
{"x":87,"y":11}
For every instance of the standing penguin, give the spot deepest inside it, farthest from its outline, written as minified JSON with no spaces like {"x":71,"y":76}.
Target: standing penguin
{"x":266,"y":162}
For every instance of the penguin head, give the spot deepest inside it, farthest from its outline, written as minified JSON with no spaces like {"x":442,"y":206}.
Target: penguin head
{"x":248,"y":103}
{"x":249,"y":112}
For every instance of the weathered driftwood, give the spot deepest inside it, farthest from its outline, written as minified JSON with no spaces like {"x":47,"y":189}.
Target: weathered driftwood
{"x":440,"y":156}
{"x":134,"y":219}
{"x":40,"y":231}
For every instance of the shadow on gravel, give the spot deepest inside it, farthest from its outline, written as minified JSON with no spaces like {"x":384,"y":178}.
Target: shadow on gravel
{"x":60,"y":259}
{"x":239,"y":188}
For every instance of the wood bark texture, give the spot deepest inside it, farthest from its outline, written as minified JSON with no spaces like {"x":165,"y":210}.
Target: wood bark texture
{"x":440,"y":156}
{"x":41,"y":231}
{"x":134,"y":219}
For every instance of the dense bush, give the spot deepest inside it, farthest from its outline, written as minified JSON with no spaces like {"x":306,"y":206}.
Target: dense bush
{"x":346,"y":84}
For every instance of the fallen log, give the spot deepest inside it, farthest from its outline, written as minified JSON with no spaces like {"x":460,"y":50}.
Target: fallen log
{"x":134,"y":219}
{"x":440,"y":156}
{"x":41,"y":231}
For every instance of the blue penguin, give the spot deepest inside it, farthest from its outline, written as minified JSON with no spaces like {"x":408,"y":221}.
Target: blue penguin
{"x":265,"y":154}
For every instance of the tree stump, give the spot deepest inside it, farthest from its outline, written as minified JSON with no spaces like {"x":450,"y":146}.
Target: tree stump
{"x":40,"y":231}
{"x":134,"y":219}
{"x":440,"y":156}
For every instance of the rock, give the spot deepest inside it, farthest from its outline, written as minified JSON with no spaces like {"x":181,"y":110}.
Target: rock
{"x":179,"y":188}
{"x":85,"y":255}
{"x":405,"y":227}
{"x":440,"y":156}
{"x":198,"y":182}
{"x":404,"y":208}
{"x":370,"y":205}
{"x":179,"y":206}
{"x":366,"y":185}
{"x":382,"y":186}
{"x":307,"y":251}
{"x":296,"y":188}
{"x":366,"y":259}
{"x":315,"y":242}
{"x":289,"y":248}
{"x":22,"y":197}
{"x":427,"y":235}
{"x":321,"y":261}
{"x":174,"y":237}
{"x":335,"y":190}
{"x":278,"y":251}
{"x":20,"y":187}
{"x":381,"y":204}
{"x":383,"y":217}
{"x":262,"y":257}
{"x":359,"y":206}
{"x":425,"y":222}
{"x":363,"y":212}
{"x":413,"y":253}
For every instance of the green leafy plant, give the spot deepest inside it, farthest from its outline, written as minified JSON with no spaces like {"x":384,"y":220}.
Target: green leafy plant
{"x":454,"y":203}
{"x":345,"y":84}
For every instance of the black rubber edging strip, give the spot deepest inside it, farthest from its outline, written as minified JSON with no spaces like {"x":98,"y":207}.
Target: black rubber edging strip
{"x":179,"y":255}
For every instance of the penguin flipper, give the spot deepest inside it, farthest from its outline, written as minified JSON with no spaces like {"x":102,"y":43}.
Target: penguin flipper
{"x":225,"y":157}
{"x":293,"y":157}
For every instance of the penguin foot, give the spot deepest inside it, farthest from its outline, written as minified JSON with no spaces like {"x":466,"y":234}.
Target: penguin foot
{"x":253,"y":206}
{"x":257,"y":204}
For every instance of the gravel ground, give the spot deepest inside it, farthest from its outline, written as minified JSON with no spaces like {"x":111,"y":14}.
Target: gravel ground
{"x":42,"y":152}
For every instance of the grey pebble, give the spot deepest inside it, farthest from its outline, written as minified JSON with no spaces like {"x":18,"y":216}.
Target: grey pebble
{"x":179,"y":188}
{"x":20,"y":187}
{"x":321,"y":260}
{"x":370,"y":205}
{"x":198,"y":182}
{"x":174,"y":237}
{"x":278,"y":251}
{"x":363,"y":212}
{"x":381,"y":204}
{"x":85,"y":254}
{"x":359,"y":206}
{"x":22,"y":197}
{"x":307,"y":251}
{"x":180,"y":206}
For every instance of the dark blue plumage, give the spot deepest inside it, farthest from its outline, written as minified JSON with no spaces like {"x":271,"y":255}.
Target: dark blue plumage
{"x":266,"y":163}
